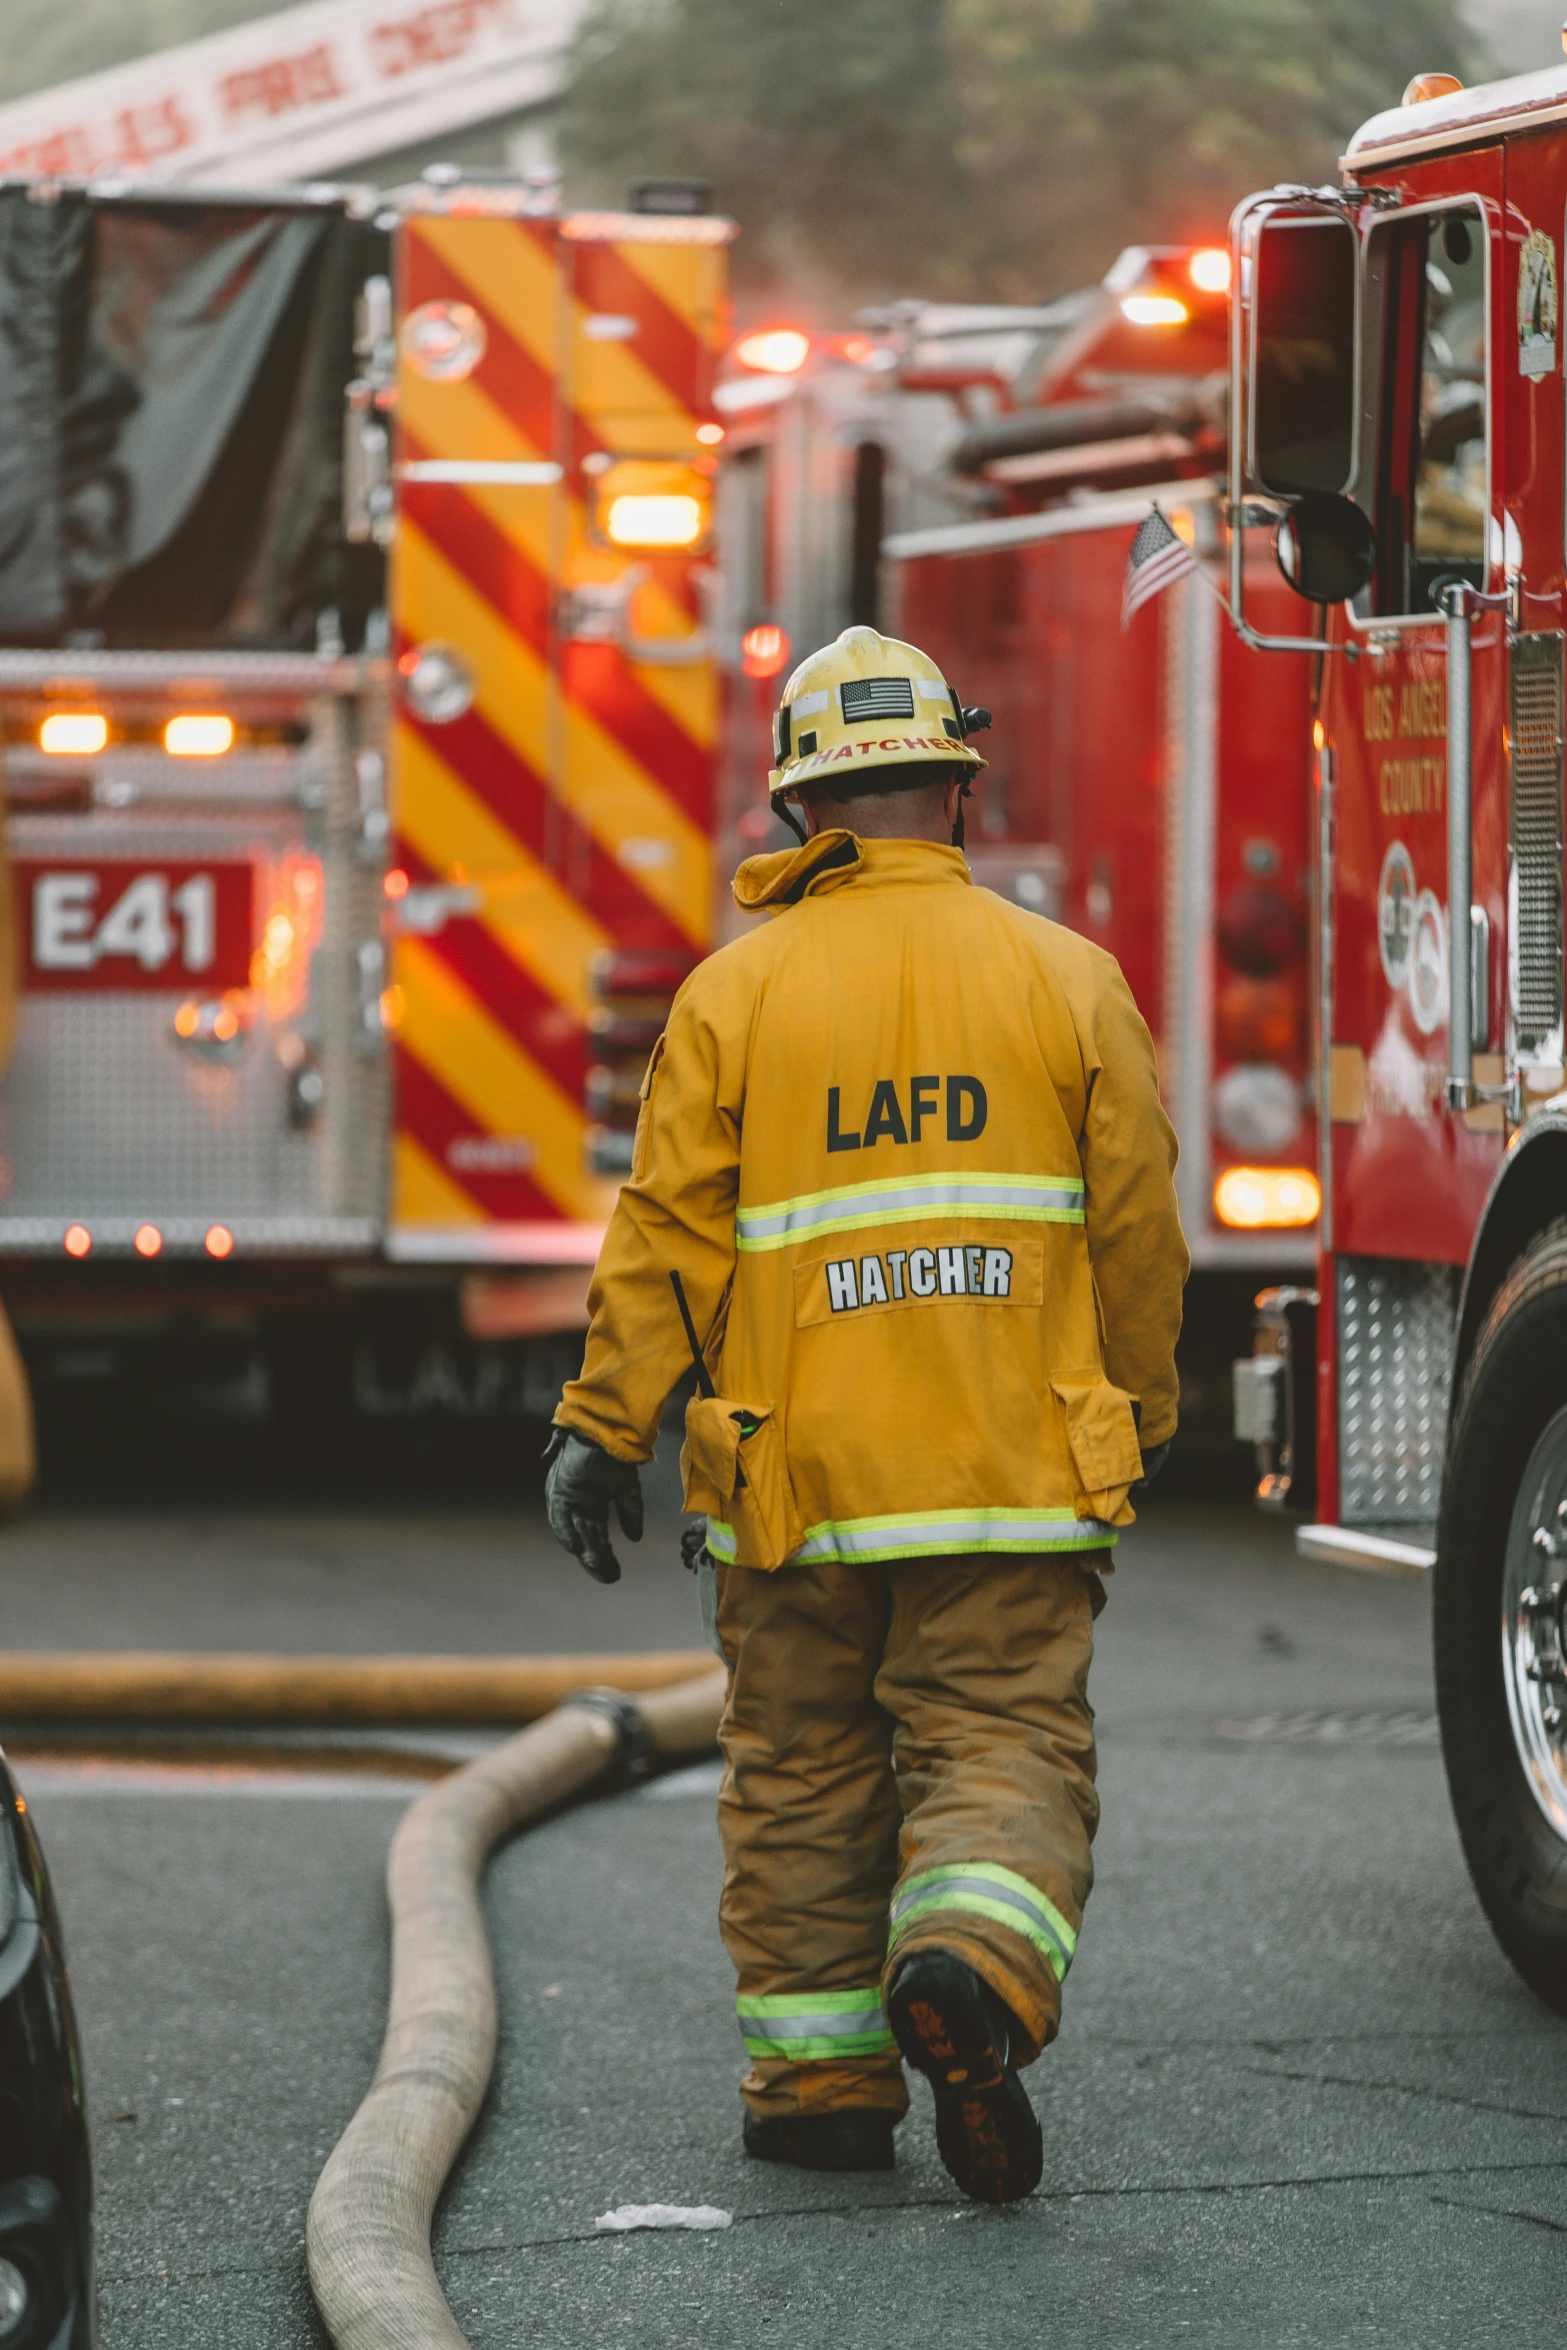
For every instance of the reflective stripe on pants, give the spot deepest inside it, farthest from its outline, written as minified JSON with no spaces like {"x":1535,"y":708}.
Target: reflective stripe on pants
{"x":979,"y":1889}
{"x":811,"y":2027}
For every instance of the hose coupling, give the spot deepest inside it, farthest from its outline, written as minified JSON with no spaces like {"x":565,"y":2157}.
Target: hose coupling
{"x":634,"y":1750}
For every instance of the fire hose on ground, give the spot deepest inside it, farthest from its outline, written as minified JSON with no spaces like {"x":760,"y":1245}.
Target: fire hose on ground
{"x":368,"y":2231}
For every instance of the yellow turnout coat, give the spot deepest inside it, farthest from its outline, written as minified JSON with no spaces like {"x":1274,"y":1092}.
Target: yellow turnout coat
{"x":903,"y":1144}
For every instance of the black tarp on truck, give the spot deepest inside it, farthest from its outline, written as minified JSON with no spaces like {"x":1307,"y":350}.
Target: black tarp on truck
{"x":172,"y":375}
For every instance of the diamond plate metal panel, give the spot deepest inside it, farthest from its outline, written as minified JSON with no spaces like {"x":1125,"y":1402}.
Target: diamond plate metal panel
{"x":1536,"y":827}
{"x":1395,"y":1351}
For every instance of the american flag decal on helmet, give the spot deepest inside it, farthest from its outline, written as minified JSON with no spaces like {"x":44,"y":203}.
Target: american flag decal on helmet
{"x":1156,"y":559}
{"x":876,"y":697}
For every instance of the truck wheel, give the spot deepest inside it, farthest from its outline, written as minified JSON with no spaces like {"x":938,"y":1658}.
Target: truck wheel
{"x":1498,"y":1590}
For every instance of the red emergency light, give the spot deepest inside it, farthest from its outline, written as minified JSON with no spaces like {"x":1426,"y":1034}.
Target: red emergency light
{"x":763,"y":650}
{"x":1170,"y":286}
{"x":773,"y":350}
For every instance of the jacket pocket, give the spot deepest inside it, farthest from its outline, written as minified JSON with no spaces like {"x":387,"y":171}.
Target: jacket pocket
{"x":733,"y":1467}
{"x":1103,"y":1436}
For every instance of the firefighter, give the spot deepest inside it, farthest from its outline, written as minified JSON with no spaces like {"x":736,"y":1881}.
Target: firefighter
{"x":902,"y":1145}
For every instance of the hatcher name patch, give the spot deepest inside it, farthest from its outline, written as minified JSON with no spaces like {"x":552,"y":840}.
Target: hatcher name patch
{"x":838,"y":1289}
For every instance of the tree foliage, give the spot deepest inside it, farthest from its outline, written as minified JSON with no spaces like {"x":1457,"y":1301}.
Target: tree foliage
{"x":1002,"y":148}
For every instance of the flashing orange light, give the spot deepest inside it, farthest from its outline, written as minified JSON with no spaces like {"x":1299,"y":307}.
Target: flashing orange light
{"x":774,"y":350}
{"x":187,"y":1019}
{"x":710,"y":435}
{"x":280,"y":966}
{"x":1153,"y":310}
{"x":396,"y":884}
{"x":1436,"y":85}
{"x":634,"y":521}
{"x":219,"y":1241}
{"x":199,"y":734}
{"x":225,"y":1024}
{"x":1319,"y":734}
{"x":78,"y":1240}
{"x":1209,"y":270}
{"x":77,"y":734}
{"x":147,"y":1240}
{"x":1267,"y":1199}
{"x":763,"y":650}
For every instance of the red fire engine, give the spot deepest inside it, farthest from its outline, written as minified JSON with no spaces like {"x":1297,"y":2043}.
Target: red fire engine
{"x":1398,"y":391}
{"x":361,"y":702}
{"x":1145,"y":784}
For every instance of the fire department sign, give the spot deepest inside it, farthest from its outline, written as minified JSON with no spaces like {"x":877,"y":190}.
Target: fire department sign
{"x":1537,"y":304}
{"x":1396,"y":916}
{"x":116,"y":924}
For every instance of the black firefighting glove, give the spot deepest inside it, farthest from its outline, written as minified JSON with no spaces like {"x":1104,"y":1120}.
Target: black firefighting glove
{"x":1154,"y":1459}
{"x":583,"y":1480}
{"x":1154,"y":1456}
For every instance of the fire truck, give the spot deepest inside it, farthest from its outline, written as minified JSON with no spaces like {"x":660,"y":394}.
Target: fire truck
{"x":360,"y":700}
{"x":973,"y":478}
{"x":833,"y":440}
{"x":1397,"y":381}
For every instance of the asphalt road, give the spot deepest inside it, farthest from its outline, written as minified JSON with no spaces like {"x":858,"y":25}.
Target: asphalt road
{"x":1299,"y":2098}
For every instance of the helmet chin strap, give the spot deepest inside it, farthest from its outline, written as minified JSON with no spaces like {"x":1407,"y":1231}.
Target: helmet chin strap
{"x":957,"y":821}
{"x":782,"y":809}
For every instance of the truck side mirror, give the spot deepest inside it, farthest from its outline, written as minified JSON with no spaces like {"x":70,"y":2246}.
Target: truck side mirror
{"x":1326,"y":549}
{"x":1300,"y":404}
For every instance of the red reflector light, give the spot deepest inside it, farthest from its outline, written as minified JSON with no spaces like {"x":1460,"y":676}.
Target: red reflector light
{"x":148,"y":1240}
{"x":1260,"y":929}
{"x":1267,"y":1199}
{"x":219,"y":1241}
{"x":78,"y":1240}
{"x":1258,"y":1019}
{"x":396,"y":883}
{"x":1209,"y":270}
{"x":763,"y":650}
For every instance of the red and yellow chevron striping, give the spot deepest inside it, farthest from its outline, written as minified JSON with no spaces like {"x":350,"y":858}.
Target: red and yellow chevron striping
{"x":555,"y":736}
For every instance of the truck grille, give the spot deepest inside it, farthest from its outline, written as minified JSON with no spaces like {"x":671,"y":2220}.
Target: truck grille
{"x":1536,"y":834}
{"x":1395,"y":1350}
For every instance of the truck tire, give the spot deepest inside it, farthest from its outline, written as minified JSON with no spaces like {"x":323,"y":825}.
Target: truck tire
{"x":1498,"y":1591}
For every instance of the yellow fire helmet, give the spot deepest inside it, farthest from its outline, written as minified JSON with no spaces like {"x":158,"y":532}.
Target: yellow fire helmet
{"x":866,"y":701}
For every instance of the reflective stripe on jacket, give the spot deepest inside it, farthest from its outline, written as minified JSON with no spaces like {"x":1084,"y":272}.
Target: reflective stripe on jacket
{"x":903,"y":1144}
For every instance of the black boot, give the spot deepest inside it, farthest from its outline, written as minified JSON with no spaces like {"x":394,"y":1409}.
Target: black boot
{"x":823,"y":2141}
{"x":953,"y":2028}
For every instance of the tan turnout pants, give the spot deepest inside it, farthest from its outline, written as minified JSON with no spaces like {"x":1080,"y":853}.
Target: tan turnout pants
{"x":909,"y":1754}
